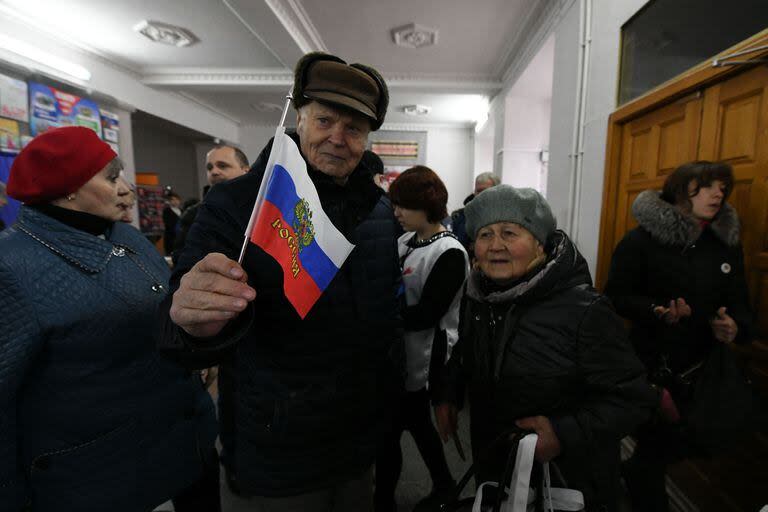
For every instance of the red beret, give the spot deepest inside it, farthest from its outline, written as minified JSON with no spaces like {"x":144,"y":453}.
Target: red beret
{"x":57,"y":163}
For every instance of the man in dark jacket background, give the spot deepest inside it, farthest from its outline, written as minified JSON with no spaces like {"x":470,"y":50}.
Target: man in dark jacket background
{"x":222,"y":163}
{"x":304,"y":415}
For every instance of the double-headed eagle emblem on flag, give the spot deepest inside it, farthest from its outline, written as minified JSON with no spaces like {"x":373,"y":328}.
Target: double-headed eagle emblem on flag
{"x":302,"y":225}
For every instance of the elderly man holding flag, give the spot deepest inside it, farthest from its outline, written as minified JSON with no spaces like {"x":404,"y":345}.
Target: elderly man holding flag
{"x":306,"y":321}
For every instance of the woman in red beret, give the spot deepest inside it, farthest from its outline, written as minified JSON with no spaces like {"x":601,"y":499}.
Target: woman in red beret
{"x":91,"y":418}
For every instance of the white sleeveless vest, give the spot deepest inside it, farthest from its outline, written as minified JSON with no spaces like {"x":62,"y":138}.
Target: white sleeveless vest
{"x":417,"y":266}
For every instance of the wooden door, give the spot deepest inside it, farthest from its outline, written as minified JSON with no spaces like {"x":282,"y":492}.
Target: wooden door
{"x":652,"y":146}
{"x":734,"y":129}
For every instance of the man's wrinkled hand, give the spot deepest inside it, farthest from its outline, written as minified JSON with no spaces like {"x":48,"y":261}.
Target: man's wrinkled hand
{"x":211,"y":294}
{"x":548,"y":446}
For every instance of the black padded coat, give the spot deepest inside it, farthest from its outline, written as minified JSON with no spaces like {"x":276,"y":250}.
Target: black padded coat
{"x":552,"y":346}
{"x":303,"y":414}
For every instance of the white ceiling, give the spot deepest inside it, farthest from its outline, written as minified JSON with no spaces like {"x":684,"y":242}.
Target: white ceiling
{"x":248,"y":48}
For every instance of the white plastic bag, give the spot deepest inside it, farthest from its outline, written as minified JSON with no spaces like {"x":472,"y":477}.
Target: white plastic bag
{"x":520,"y":496}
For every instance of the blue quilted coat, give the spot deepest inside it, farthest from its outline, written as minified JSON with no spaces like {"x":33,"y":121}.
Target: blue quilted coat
{"x":91,"y":417}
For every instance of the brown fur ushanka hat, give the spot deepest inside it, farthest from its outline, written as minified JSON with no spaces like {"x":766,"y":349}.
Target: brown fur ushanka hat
{"x":329,"y":79}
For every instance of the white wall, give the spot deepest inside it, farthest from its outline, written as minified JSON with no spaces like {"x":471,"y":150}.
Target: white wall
{"x":483,"y":152}
{"x":450,"y":153}
{"x":527,"y":115}
{"x":564,"y":99}
{"x":602,"y":84}
{"x":125,"y":144}
{"x":122,"y":84}
{"x":253,"y":138}
{"x":526,"y":134}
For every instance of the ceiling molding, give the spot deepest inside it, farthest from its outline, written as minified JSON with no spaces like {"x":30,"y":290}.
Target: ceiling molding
{"x":282,"y":26}
{"x":254,"y":31}
{"x":167,"y":77}
{"x":259,"y":125}
{"x":171,"y":77}
{"x":442,"y":81}
{"x":297,"y":23}
{"x":420,"y":127}
{"x":540,"y":21}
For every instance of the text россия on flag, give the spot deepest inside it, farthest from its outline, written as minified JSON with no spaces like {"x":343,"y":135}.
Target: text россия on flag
{"x":289,"y":224}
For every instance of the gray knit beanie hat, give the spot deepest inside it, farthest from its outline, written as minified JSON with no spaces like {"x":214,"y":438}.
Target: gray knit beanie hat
{"x":502,"y":203}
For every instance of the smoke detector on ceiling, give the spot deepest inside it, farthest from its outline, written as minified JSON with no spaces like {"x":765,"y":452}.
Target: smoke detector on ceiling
{"x":414,"y":36}
{"x":165,"y":33}
{"x":416,"y":110}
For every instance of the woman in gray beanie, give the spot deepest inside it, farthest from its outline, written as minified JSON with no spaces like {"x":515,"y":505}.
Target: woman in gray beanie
{"x":541,"y":349}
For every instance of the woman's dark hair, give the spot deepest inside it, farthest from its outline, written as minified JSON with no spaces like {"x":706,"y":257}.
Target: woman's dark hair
{"x":704,"y":172}
{"x":420,"y":188}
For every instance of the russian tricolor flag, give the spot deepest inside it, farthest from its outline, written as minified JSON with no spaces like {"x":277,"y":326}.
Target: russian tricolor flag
{"x":289,"y":223}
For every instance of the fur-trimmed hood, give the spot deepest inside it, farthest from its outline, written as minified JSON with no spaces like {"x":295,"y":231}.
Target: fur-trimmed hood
{"x":670,"y":226}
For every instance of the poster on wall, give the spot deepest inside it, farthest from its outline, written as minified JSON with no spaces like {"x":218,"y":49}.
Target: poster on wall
{"x":10,"y":211}
{"x":51,"y":108}
{"x":396,"y":149}
{"x":110,"y":125}
{"x":151,"y":203}
{"x":13,"y":99}
{"x":10,"y":141}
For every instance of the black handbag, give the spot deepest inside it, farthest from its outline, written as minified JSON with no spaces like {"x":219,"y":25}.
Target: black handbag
{"x":722,"y":404}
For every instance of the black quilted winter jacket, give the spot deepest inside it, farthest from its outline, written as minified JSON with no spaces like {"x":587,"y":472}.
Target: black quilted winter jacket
{"x":304,"y":408}
{"x":550,"y":346}
{"x":91,"y":417}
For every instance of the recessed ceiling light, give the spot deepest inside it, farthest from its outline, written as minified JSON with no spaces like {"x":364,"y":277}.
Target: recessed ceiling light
{"x":414,"y":36}
{"x":165,"y":33}
{"x":416,"y":110}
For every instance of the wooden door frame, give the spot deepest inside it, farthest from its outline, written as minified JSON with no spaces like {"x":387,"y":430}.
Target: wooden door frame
{"x":675,"y":89}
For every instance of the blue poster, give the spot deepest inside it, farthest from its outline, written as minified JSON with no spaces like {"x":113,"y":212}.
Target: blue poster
{"x":51,"y":108}
{"x":8,"y":212}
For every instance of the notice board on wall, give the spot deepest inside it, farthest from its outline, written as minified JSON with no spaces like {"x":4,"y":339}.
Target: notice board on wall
{"x":13,"y":99}
{"x":50,"y":108}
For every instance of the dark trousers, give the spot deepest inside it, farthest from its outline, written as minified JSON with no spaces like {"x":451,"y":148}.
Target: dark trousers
{"x":354,"y":495}
{"x":411,"y":412}
{"x":658,"y":445}
{"x":203,"y":495}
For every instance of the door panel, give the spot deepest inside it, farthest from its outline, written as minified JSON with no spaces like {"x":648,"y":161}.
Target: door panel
{"x":652,"y":146}
{"x":734,"y":129}
{"x":727,"y":121}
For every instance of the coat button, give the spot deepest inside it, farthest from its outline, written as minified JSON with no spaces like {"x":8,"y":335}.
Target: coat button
{"x":42,"y":463}
{"x":268,"y":426}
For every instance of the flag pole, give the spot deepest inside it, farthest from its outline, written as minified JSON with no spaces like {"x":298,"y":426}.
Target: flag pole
{"x":265,"y":179}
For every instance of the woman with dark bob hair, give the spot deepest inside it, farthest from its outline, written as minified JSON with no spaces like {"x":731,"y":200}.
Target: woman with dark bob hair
{"x":434,"y":266}
{"x":679,"y":277}
{"x":541,"y":350}
{"x":91,"y":417}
